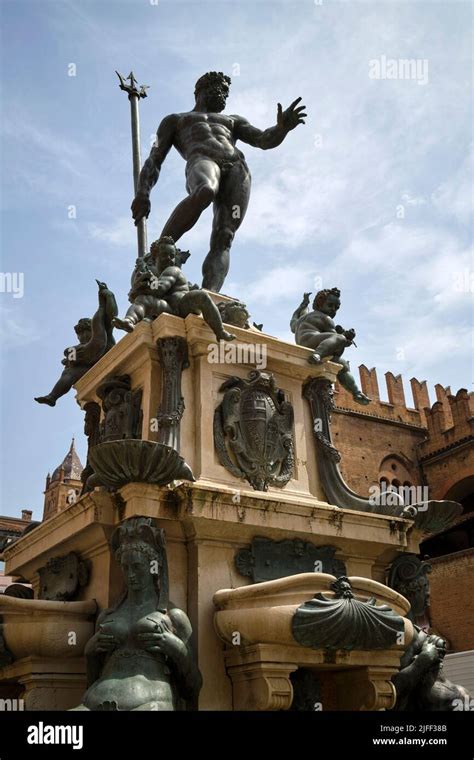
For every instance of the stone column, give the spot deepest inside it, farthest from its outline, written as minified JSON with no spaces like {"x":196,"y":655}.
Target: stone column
{"x":173,"y":353}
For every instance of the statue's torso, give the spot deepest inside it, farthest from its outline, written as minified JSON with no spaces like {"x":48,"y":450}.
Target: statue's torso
{"x":132,"y":677}
{"x":312,"y":324}
{"x":206,"y":135}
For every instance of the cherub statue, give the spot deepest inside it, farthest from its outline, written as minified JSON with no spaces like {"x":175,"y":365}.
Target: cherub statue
{"x":140,"y":658}
{"x":95,"y":339}
{"x":316,"y":330}
{"x":160,"y":287}
{"x":420,"y":683}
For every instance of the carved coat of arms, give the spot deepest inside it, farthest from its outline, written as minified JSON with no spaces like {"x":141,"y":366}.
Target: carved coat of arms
{"x":253,"y":431}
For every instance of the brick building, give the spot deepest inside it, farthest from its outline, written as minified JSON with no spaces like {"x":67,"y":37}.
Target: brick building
{"x":431,"y":446}
{"x":11,"y":528}
{"x":62,"y":488}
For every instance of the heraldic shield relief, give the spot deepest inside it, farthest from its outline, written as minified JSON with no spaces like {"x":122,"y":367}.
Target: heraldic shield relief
{"x":253,"y":431}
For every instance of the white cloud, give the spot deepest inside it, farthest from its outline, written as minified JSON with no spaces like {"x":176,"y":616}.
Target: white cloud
{"x":15,"y":331}
{"x":455,"y":196}
{"x":119,"y":232}
{"x":279,"y":283}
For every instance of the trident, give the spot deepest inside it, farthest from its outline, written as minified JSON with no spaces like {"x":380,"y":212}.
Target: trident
{"x":134,"y":95}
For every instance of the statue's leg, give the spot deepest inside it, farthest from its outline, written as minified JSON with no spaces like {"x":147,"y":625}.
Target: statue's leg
{"x":348,"y":382}
{"x":230,"y":207}
{"x":143,"y":307}
{"x":135,"y":313}
{"x":69,"y":376}
{"x":199,"y":302}
{"x":159,"y":306}
{"x":331,"y":345}
{"x":202,"y":183}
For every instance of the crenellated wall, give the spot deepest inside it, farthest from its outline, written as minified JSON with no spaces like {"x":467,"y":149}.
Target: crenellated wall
{"x":388,"y":439}
{"x":395,"y":408}
{"x":449,"y":421}
{"x":427,"y":445}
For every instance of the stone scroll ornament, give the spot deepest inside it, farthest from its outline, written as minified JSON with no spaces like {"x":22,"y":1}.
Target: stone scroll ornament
{"x":408,"y":574}
{"x":92,"y":432}
{"x":140,"y":656}
{"x":173,"y":353}
{"x":253,"y":431}
{"x":345,"y":622}
{"x":428,"y":517}
{"x":121,"y":456}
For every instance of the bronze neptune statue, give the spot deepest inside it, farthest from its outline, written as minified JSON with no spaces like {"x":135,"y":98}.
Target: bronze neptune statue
{"x":216,"y":171}
{"x":140,"y":658}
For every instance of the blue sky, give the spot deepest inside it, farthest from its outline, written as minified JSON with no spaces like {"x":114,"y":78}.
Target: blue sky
{"x":371,"y":195}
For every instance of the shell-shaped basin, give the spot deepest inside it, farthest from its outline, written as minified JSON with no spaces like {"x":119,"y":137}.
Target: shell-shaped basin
{"x":39,"y":628}
{"x":263,"y":612}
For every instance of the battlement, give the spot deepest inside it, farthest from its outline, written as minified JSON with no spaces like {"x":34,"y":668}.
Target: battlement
{"x":395,"y":409}
{"x":450,"y":419}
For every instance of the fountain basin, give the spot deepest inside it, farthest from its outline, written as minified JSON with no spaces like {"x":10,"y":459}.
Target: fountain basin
{"x":40,"y":628}
{"x":117,"y":463}
{"x":262,"y":613}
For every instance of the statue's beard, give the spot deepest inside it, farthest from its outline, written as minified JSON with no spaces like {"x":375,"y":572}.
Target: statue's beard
{"x":216,"y":103}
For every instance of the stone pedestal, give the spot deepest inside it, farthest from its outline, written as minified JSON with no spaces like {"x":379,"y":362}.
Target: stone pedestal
{"x":356,"y":680}
{"x":46,"y":684}
{"x":207,"y":522}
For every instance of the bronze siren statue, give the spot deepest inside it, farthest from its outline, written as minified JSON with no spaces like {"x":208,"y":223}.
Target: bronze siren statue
{"x":140,"y":658}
